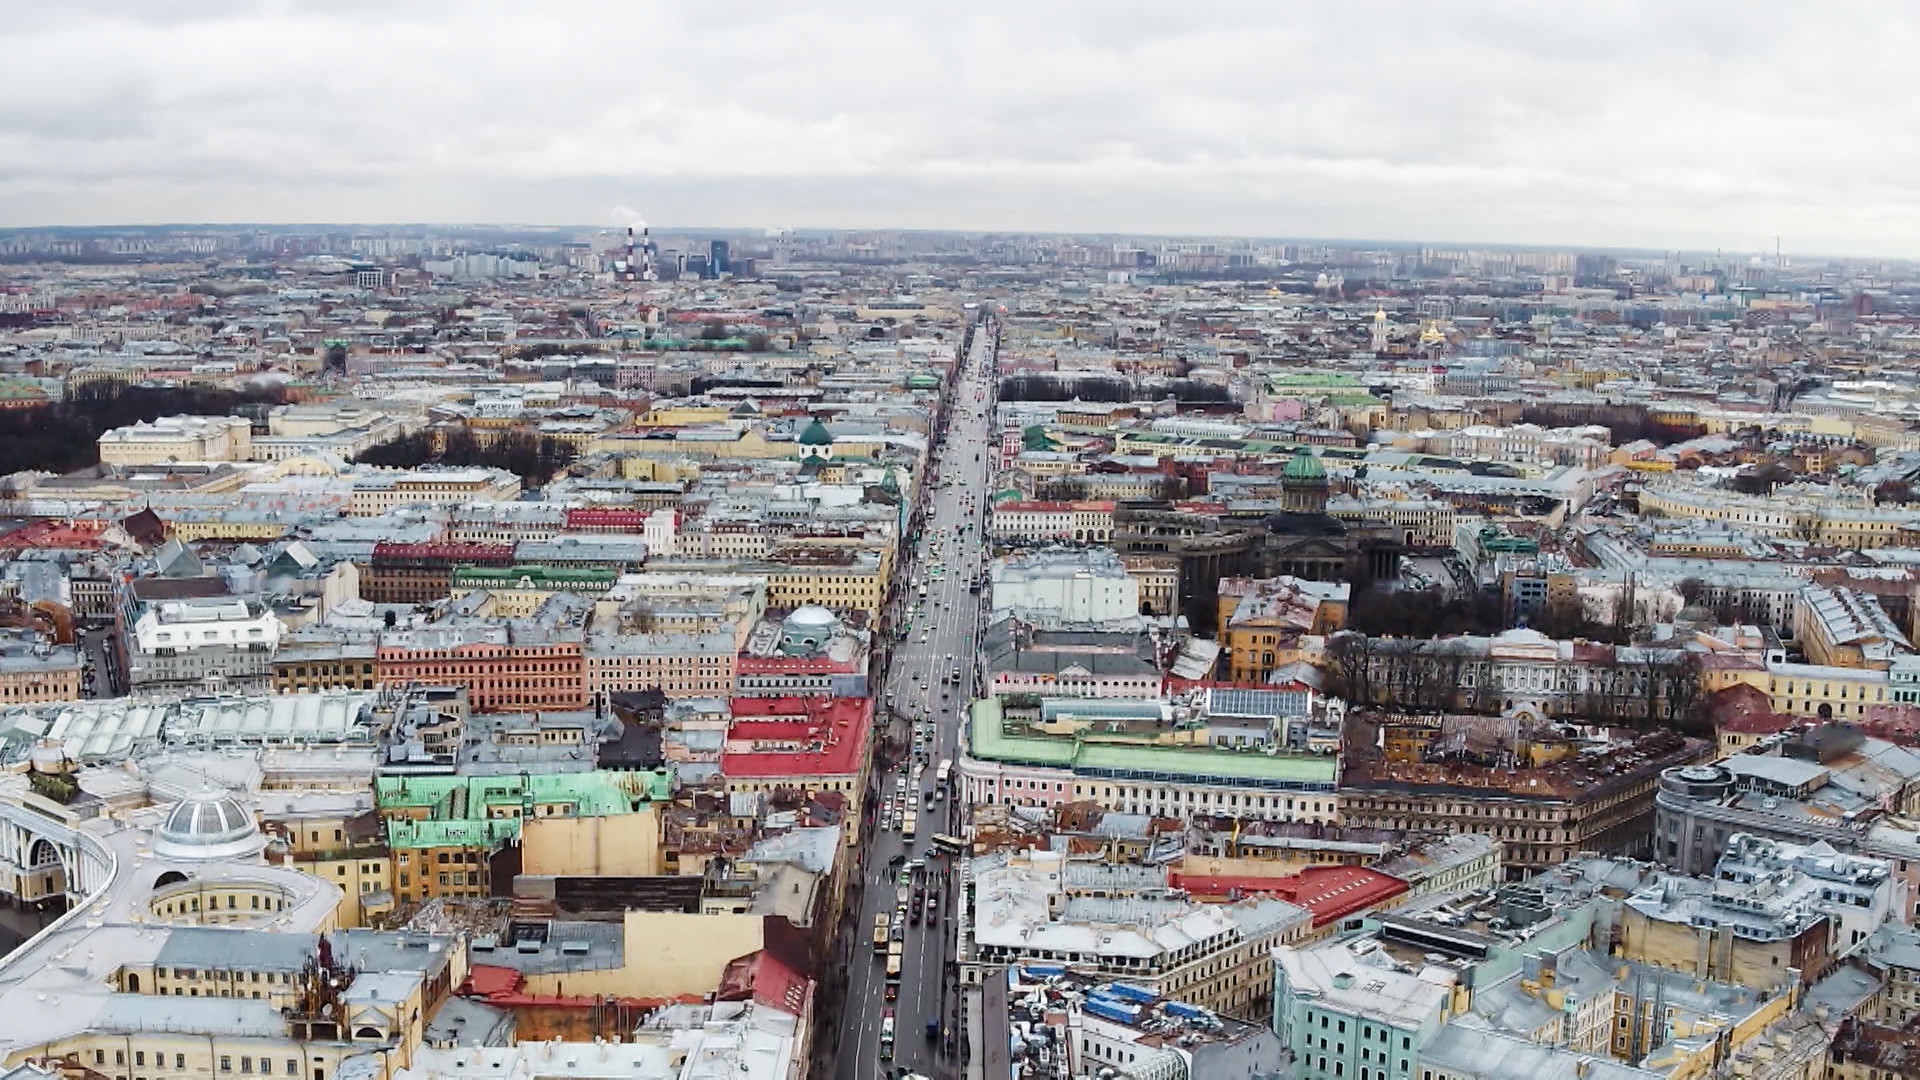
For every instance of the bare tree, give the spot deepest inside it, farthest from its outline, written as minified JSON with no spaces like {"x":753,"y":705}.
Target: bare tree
{"x":1350,"y":659}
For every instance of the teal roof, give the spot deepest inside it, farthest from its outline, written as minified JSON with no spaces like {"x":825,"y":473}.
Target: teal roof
{"x":468,"y":832}
{"x":816,"y":434}
{"x":1304,"y":466}
{"x":1118,"y":757}
{"x":468,"y":798}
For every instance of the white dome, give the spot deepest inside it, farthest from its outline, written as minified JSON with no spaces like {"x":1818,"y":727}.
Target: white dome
{"x":811,"y":615}
{"x":208,"y":824}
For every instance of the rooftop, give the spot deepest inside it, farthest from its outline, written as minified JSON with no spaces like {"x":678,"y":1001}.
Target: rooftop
{"x":993,"y":737}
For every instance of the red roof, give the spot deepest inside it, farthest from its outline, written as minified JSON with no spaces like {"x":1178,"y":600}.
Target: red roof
{"x":487,"y":980}
{"x":453,"y":551}
{"x":835,"y":730}
{"x":82,"y":536}
{"x":1746,"y":709}
{"x":505,"y":988}
{"x":770,"y":730}
{"x":762,"y":977}
{"x":600,"y":516}
{"x":1896,"y":723}
{"x":1330,"y":893}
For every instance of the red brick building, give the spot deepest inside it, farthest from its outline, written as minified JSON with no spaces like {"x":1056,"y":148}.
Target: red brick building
{"x":422,"y":573}
{"x":504,"y":667}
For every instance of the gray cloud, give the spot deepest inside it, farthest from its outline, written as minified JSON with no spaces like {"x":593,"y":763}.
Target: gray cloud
{"x":1634,"y":124}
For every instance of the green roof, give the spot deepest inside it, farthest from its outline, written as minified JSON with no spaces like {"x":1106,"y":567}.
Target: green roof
{"x":468,"y":798}
{"x":472,"y":832}
{"x":1117,"y":756}
{"x":816,"y":434}
{"x":1317,"y":378}
{"x":1035,"y":437}
{"x":1304,"y":466}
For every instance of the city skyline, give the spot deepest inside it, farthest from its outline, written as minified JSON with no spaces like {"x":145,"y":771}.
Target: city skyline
{"x":1644,"y":127}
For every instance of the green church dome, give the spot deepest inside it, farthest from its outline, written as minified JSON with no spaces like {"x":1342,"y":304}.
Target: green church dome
{"x":1304,"y":466}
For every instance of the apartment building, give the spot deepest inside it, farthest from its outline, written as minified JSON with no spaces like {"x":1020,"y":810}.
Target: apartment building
{"x":1089,"y":521}
{"x":1601,"y":799}
{"x":221,"y":643}
{"x":506,"y":664}
{"x":1158,"y":579}
{"x":505,"y":522}
{"x":1420,"y":523}
{"x":307,"y":665}
{"x":797,"y":744}
{"x":1830,"y":783}
{"x":420,"y":573}
{"x":1066,"y":585}
{"x":678,"y":664}
{"x":1027,"y":908}
{"x":1842,"y":627}
{"x":178,"y":438}
{"x":38,"y":673}
{"x":1263,"y":621}
{"x":1833,"y":517}
{"x":342,"y":845}
{"x":518,"y":591}
{"x":1125,"y":766}
{"x":377,"y":492}
{"x":445,"y":832}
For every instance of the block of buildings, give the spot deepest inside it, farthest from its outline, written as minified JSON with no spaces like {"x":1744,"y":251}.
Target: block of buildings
{"x":1128,"y":756}
{"x":1035,"y":907}
{"x":1546,"y":797}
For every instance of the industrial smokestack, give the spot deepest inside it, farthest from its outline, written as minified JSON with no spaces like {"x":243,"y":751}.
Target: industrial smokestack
{"x":630,"y":263}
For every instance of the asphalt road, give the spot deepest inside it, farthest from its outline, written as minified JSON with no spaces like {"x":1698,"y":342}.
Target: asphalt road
{"x":949,"y":620}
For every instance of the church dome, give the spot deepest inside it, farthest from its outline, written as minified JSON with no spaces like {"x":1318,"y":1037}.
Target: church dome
{"x":1304,"y":466}
{"x":816,"y":434}
{"x":208,"y":824}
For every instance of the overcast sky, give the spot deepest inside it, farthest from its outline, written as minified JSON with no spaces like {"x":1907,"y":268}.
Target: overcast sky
{"x":1656,"y":125}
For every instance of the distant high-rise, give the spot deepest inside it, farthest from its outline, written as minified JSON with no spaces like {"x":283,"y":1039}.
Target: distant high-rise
{"x":719,"y":258}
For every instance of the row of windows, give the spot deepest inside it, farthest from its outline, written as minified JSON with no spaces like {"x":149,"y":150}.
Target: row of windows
{"x":180,"y":1062}
{"x":283,"y":978}
{"x":987,"y":791}
{"x":191,"y":905}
